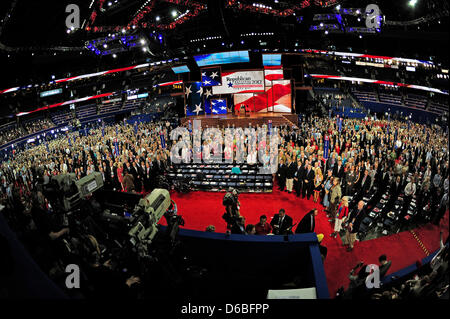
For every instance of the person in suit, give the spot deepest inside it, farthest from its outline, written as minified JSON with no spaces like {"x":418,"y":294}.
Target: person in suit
{"x":338,"y":169}
{"x":308,"y":182}
{"x":281,"y":223}
{"x":355,"y":218}
{"x":298,"y":178}
{"x":290,"y":172}
{"x":364,"y":184}
{"x":238,"y":227}
{"x":308,"y":222}
{"x":281,"y":175}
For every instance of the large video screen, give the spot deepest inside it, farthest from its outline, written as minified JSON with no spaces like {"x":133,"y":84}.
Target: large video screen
{"x":181,"y":69}
{"x":222,"y":58}
{"x":271,"y":59}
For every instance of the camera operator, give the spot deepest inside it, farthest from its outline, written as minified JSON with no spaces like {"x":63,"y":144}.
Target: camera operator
{"x":232,"y":206}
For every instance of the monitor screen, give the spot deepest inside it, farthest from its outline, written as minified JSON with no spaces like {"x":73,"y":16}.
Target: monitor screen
{"x":271,"y":59}
{"x":222,"y":58}
{"x":181,"y":69}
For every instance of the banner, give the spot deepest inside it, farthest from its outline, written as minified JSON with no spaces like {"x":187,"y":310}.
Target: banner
{"x":211,"y":76}
{"x":270,"y":127}
{"x":276,"y":98}
{"x":326,"y":146}
{"x":163,"y":140}
{"x":240,"y":82}
{"x":219,"y":106}
{"x":194,"y":95}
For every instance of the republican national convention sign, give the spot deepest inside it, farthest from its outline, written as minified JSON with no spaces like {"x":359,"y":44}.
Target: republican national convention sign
{"x":240,"y":82}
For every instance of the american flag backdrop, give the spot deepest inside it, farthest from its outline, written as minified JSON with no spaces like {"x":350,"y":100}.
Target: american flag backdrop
{"x":219,"y":106}
{"x":211,"y":77}
{"x":193,"y":92}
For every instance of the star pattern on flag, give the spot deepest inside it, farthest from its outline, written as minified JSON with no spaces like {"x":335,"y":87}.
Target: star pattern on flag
{"x":214,"y":75}
{"x":188,"y":91}
{"x":230,"y":85}
{"x":208,"y":93}
{"x":206,"y":82}
{"x":200,"y":91}
{"x":198,"y":108}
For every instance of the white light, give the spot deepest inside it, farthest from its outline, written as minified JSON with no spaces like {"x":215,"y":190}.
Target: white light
{"x":72,"y":28}
{"x":174,"y":13}
{"x":105,"y":45}
{"x":109,"y":4}
{"x":358,"y":12}
{"x":360,"y":36}
{"x":123,"y":31}
{"x":412,"y":3}
{"x":68,"y":31}
{"x":338,"y":7}
{"x":142,"y":41}
{"x":114,"y":55}
{"x":144,"y":49}
{"x":157,"y":18}
{"x":321,"y":24}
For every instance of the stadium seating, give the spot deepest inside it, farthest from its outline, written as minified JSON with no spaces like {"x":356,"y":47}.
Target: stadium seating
{"x":219,"y":177}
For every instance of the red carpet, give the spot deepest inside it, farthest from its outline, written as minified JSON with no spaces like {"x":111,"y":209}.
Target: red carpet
{"x":200,"y":209}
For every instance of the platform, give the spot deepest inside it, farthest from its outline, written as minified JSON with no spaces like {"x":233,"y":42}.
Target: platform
{"x":224,"y":120}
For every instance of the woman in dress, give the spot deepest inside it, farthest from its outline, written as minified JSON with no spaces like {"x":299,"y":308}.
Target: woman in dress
{"x":327,"y":185}
{"x":318,"y":178}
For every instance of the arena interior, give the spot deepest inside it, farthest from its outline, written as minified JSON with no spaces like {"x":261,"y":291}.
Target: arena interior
{"x":224,"y":150}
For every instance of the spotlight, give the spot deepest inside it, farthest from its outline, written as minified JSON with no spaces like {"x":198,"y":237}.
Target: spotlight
{"x":412,"y":3}
{"x":174,"y":13}
{"x":105,"y":45}
{"x":157,"y":18}
{"x":142,"y":41}
{"x":338,"y":7}
{"x":114,"y":55}
{"x":123,"y":31}
{"x":144,"y":49}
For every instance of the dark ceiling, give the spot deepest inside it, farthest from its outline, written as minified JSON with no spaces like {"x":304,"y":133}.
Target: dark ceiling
{"x":34,"y":41}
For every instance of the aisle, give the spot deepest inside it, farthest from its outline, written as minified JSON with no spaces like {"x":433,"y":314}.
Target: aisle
{"x":200,"y":209}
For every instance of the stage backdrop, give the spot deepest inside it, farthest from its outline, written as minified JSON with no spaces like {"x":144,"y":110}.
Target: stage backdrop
{"x":276,"y":98}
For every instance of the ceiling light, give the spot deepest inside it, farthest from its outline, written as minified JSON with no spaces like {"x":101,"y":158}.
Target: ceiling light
{"x":412,"y":3}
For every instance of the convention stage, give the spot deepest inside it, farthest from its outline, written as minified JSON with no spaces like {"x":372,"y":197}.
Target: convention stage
{"x":254,"y":119}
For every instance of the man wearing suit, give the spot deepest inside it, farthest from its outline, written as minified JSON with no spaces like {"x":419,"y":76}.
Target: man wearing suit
{"x":364,"y":184}
{"x":308,"y":181}
{"x":338,"y":170}
{"x":355,"y":218}
{"x":290,"y":172}
{"x":281,"y":223}
{"x":299,"y":177}
{"x":308,"y":222}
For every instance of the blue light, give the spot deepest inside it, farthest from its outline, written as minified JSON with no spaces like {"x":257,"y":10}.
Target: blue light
{"x":222,"y":58}
{"x":271,"y":59}
{"x":181,"y":69}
